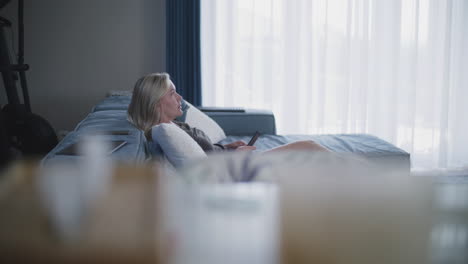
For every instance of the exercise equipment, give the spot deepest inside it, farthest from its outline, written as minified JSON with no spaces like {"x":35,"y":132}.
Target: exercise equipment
{"x":22,"y":133}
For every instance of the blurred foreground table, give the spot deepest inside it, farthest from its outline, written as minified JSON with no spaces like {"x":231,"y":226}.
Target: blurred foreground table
{"x":138,"y":218}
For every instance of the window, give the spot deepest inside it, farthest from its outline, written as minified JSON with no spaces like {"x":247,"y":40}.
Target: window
{"x":393,"y":69}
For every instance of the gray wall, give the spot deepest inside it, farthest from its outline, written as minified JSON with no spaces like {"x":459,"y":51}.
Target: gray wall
{"x":79,"y":50}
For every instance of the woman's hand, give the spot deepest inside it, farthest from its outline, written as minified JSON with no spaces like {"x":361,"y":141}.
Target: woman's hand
{"x":239,"y":145}
{"x":246,"y":148}
{"x":235,"y":145}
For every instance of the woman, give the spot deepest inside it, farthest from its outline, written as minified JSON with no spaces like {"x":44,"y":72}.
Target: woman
{"x":155,"y":101}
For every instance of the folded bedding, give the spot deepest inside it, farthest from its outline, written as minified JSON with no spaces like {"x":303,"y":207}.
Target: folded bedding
{"x":111,"y":125}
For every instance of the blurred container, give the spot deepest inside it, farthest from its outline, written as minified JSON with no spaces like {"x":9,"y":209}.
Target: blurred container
{"x":117,"y":226}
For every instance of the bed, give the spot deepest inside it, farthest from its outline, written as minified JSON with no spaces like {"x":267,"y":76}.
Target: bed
{"x":236,"y":123}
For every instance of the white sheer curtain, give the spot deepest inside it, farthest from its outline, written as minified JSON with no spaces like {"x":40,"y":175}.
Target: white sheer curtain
{"x":395,"y":69}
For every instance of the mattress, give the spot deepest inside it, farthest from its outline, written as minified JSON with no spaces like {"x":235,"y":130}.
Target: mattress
{"x":371,"y":147}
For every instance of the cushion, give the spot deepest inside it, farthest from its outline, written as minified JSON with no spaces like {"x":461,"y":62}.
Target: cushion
{"x":176,"y":144}
{"x":198,"y":119}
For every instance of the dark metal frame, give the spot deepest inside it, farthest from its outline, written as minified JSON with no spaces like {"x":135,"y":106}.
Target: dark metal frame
{"x":10,"y":70}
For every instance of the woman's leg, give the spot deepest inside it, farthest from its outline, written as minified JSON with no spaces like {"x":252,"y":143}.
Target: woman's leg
{"x":300,"y":145}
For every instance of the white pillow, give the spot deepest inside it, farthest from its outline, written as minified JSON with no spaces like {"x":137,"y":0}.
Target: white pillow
{"x":176,"y":144}
{"x":198,"y":119}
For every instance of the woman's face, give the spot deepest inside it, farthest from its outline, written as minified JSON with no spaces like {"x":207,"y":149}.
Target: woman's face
{"x":170,"y":105}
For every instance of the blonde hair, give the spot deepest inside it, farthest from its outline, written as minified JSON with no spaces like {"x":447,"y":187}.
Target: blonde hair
{"x":148,"y":90}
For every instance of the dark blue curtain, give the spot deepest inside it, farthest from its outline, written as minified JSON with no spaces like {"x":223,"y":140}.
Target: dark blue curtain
{"x":183,"y":47}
